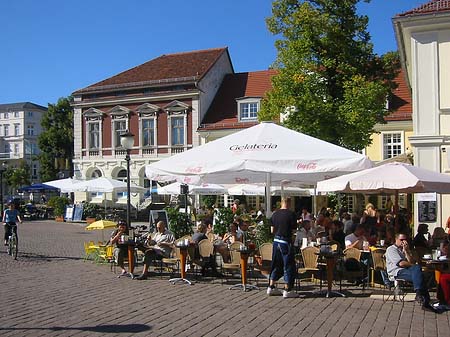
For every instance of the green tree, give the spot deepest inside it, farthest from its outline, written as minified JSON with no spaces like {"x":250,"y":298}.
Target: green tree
{"x":56,"y":140}
{"x":16,"y":177}
{"x":329,"y":80}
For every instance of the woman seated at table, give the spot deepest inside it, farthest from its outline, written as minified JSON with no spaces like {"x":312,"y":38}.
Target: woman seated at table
{"x":443,"y":293}
{"x":438,"y":237}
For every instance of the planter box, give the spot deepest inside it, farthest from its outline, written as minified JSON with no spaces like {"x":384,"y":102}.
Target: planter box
{"x":59,"y":219}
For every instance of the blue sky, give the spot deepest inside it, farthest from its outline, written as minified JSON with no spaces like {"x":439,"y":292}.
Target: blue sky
{"x":50,"y":48}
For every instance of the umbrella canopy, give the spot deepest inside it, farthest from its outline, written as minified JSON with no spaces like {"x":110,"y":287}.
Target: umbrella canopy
{"x":204,"y":189}
{"x":248,"y":189}
{"x":389,"y":178}
{"x":35,"y":188}
{"x":263,"y":153}
{"x":104,"y":184}
{"x":64,"y":185}
{"x":100,"y":224}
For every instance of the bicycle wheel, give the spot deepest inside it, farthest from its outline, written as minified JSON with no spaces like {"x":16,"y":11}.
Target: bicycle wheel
{"x":14,"y":247}
{"x":9,"y":249}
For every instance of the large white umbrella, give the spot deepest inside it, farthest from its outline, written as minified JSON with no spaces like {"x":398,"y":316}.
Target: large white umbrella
{"x":203,"y":189}
{"x":65,"y":185}
{"x":389,"y":178}
{"x":265,"y":153}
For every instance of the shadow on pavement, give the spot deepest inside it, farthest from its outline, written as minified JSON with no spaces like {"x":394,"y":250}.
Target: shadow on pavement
{"x":112,"y":328}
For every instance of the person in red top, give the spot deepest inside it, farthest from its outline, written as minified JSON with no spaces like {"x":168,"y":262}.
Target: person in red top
{"x":444,"y":281}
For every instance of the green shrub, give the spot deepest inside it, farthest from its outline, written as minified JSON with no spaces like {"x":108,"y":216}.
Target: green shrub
{"x":91,"y":210}
{"x":59,"y":205}
{"x":179,"y":222}
{"x":224,"y":217}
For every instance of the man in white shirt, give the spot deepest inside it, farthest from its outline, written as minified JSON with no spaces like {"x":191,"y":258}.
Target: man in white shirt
{"x":304,"y":233}
{"x":356,"y":239}
{"x":160,"y":245}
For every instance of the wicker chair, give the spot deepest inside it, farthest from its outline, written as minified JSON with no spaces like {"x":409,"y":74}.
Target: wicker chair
{"x":309,"y":263}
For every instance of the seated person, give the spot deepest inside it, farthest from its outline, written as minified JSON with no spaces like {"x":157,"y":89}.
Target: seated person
{"x":121,"y":249}
{"x":420,"y":240}
{"x":304,"y":232}
{"x":231,"y":237}
{"x":439,"y":236}
{"x":443,"y":293}
{"x":400,"y":263}
{"x":336,"y":233}
{"x":197,"y":237}
{"x":242,"y":232}
{"x":158,"y":245}
{"x":356,"y":239}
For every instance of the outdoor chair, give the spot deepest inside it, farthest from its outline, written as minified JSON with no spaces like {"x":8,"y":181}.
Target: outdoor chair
{"x":90,"y":250}
{"x":308,"y":264}
{"x":233,"y":265}
{"x":265,"y":251}
{"x":352,"y":269}
{"x":204,"y":258}
{"x":378,"y":265}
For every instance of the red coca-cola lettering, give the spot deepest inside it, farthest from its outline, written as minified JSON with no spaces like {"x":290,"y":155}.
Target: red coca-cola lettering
{"x":306,"y":166}
{"x":197,"y":169}
{"x":241,"y":180}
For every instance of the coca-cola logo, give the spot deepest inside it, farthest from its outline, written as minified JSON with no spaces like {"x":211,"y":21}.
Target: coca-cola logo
{"x":241,"y":180}
{"x":253,"y":147}
{"x":195,"y":169}
{"x":306,"y":166}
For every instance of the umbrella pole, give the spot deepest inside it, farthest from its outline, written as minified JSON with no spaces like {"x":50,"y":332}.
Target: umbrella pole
{"x":268,"y":196}
{"x":396,"y":209}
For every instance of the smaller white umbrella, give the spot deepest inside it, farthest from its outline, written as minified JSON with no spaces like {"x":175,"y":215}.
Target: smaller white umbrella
{"x":389,"y":178}
{"x":104,"y":184}
{"x":65,"y":185}
{"x":253,"y":189}
{"x":204,"y":189}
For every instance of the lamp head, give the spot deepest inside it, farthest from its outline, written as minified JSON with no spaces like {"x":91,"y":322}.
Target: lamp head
{"x":127,"y":140}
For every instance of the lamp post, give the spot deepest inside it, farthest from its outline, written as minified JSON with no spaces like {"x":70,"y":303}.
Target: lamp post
{"x":127,"y":142}
{"x":3,"y":168}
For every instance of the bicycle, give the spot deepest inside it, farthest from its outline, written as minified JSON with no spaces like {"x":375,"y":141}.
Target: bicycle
{"x":13,"y":242}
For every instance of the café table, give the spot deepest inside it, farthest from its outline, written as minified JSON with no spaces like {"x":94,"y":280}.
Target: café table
{"x":331,"y":258}
{"x":183,"y":257}
{"x":244,"y":255}
{"x":438,"y":266}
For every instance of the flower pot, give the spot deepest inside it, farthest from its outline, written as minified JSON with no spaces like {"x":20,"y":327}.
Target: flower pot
{"x":59,"y":218}
{"x":89,"y":220}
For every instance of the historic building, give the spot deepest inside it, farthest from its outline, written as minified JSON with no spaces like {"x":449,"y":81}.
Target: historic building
{"x":423,"y":38}
{"x":20,"y":126}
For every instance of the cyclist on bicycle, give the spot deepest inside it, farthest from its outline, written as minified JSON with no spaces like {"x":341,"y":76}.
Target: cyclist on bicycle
{"x":10,"y":217}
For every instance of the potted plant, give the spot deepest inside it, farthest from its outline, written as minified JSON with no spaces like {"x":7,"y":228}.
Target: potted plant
{"x":224,"y":217}
{"x":179,"y":222}
{"x":59,"y":206}
{"x":91,"y":212}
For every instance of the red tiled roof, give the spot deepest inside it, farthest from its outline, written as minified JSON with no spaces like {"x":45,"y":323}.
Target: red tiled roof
{"x":223,"y":114}
{"x":400,"y":103}
{"x":179,"y":67}
{"x":435,"y":6}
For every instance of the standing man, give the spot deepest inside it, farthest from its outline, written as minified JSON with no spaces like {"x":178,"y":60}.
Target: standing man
{"x":284,"y":222}
{"x":400,"y":263}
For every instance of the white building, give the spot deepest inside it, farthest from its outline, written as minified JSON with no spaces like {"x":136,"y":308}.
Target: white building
{"x":20,"y":126}
{"x":423,"y":37}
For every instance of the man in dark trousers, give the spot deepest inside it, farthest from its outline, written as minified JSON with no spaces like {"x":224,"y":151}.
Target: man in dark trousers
{"x":284,"y":222}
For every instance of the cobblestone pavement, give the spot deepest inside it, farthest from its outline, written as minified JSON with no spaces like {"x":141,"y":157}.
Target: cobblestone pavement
{"x":51,"y":291}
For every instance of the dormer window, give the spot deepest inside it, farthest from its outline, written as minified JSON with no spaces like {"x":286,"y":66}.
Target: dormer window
{"x":248,"y":108}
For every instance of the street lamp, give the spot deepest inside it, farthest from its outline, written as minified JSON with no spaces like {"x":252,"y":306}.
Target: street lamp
{"x":127,"y":142}
{"x":3,"y":168}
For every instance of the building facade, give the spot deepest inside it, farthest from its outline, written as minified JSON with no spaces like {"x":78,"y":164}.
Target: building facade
{"x":423,"y":38}
{"x":20,"y":126}
{"x":162,"y":102}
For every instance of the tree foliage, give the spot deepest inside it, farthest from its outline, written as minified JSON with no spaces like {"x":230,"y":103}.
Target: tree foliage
{"x":56,"y":140}
{"x":327,"y":72}
{"x":17,"y":176}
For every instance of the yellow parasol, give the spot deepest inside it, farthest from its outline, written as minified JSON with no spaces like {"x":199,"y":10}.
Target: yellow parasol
{"x":101,"y":224}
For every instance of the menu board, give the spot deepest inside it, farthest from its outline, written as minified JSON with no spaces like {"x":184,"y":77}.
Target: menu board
{"x":427,"y":211}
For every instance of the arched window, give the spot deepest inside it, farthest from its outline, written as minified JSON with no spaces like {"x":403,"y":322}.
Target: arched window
{"x":96,"y":174}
